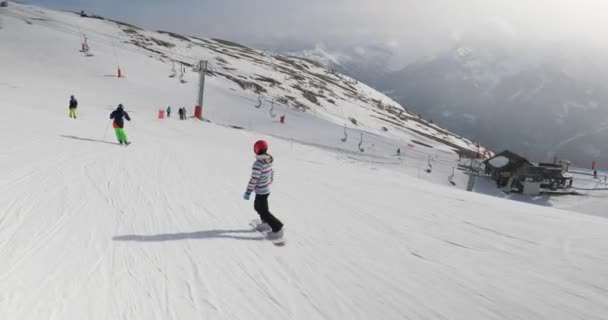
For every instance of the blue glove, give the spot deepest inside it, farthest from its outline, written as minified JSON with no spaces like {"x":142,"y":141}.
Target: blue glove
{"x":246,"y":195}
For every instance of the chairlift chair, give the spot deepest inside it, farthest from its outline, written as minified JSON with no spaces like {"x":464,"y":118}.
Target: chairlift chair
{"x":271,"y":112}
{"x":451,"y":178}
{"x":360,"y":144}
{"x":181,"y":76}
{"x":430,"y":166}
{"x":173,"y":72}
{"x":257,"y":106}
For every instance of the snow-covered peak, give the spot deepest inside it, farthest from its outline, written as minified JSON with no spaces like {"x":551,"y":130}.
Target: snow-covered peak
{"x":321,"y":54}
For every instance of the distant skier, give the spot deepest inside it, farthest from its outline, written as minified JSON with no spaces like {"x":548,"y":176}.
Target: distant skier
{"x":73,"y":105}
{"x":185,"y":113}
{"x":262,"y":177}
{"x":119,"y":124}
{"x":169,"y":112}
{"x":594,"y":174}
{"x":181,"y":113}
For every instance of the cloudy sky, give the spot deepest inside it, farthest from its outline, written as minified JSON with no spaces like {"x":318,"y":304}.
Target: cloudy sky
{"x":407,"y":25}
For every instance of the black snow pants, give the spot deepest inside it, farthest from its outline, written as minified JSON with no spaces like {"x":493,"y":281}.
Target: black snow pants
{"x":261,"y":207}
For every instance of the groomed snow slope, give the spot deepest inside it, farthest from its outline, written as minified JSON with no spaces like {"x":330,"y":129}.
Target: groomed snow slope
{"x":159,"y":230}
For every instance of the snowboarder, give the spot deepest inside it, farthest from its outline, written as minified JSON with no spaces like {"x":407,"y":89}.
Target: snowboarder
{"x":169,"y":112}
{"x":181,"y":113}
{"x":119,"y":124}
{"x":73,"y":105}
{"x":262,"y":177}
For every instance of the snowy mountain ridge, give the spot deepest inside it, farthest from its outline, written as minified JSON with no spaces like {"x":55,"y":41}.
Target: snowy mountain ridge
{"x":545,"y":100}
{"x":530,"y":100}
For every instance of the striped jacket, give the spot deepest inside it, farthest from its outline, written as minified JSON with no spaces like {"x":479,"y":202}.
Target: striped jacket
{"x":261,"y":175}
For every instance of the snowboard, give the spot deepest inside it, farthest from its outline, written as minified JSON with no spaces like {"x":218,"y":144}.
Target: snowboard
{"x":255,"y":223}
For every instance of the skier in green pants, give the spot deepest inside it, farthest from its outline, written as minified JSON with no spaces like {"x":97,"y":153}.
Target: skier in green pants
{"x":73,"y":106}
{"x":119,"y":124}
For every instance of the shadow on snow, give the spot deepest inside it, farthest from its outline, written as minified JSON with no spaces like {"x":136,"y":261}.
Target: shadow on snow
{"x":208,"y":234}
{"x":86,"y":139}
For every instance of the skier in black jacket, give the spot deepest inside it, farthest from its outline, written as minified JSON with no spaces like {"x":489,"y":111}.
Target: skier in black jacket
{"x":119,"y":123}
{"x":73,"y":106}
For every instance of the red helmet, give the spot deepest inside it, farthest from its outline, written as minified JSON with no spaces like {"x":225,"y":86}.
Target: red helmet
{"x":260,"y":147}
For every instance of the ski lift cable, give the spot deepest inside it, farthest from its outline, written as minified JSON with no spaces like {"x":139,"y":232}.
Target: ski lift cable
{"x":129,"y":48}
{"x":170,"y":52}
{"x":366,"y":132}
{"x":109,"y":41}
{"x":377,"y":140}
{"x":76,"y":33}
{"x":55,"y":26}
{"x":411,"y":153}
{"x":372,"y":135}
{"x":66,"y":30}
